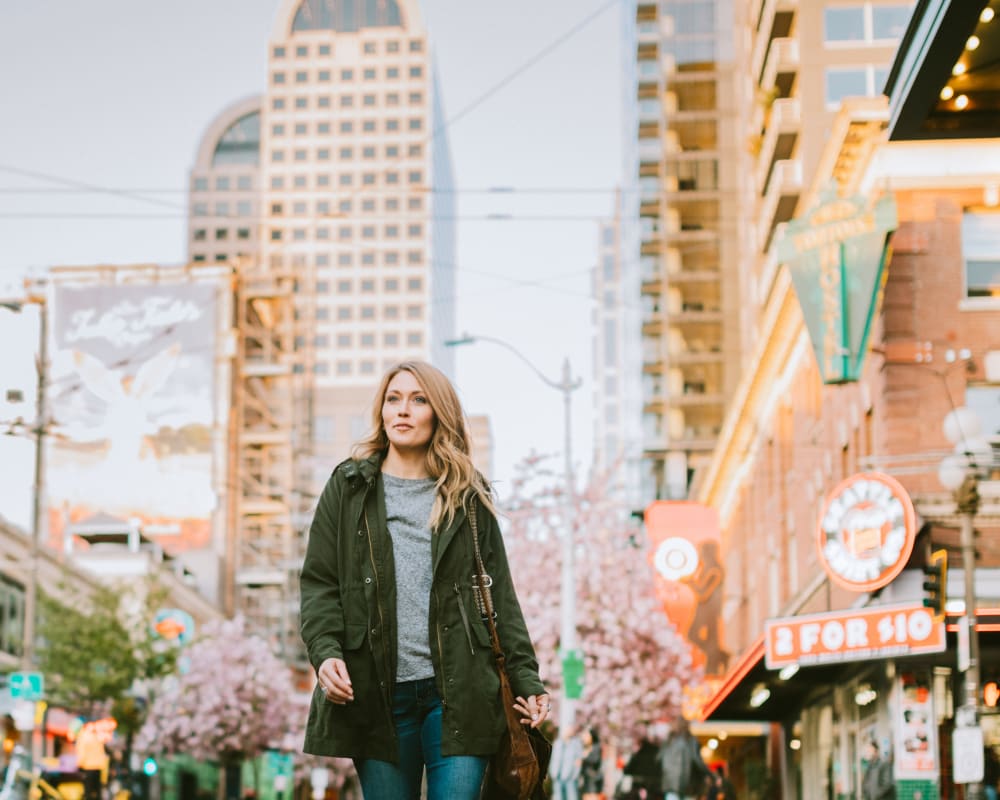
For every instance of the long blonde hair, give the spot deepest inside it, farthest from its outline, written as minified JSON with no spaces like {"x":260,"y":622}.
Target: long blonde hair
{"x":448,"y":456}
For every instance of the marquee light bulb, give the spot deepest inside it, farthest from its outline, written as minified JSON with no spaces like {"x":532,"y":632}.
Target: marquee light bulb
{"x":972,"y":43}
{"x":986,"y":15}
{"x":958,"y":69}
{"x":947,"y":93}
{"x":961,"y":101}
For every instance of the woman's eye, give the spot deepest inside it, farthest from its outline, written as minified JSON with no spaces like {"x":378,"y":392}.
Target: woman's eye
{"x":420,"y":400}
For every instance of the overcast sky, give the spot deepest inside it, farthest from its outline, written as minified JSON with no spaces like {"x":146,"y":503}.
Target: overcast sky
{"x":117,"y":94}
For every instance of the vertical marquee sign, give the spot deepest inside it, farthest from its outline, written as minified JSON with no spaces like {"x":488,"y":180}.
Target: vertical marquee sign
{"x":836,"y":255}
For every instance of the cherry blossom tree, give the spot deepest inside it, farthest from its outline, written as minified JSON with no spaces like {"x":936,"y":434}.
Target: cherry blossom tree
{"x":232,"y":700}
{"x":636,"y":663}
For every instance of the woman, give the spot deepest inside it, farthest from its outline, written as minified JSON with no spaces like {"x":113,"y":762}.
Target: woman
{"x":591,"y":766}
{"x":406,"y":679}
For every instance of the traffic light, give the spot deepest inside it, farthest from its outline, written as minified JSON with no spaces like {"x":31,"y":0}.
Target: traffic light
{"x":149,"y":766}
{"x":936,"y":585}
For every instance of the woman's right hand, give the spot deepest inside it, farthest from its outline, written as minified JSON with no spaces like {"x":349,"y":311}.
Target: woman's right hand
{"x":335,"y":682}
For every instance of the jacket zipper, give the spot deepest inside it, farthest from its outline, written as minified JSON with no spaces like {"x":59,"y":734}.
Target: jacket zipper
{"x":378,"y":601}
{"x":465,"y":619}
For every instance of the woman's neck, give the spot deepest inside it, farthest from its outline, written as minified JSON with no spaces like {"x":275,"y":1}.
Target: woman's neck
{"x":405,"y":463}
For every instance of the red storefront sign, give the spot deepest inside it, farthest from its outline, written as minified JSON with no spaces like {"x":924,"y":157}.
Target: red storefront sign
{"x":879,"y":632}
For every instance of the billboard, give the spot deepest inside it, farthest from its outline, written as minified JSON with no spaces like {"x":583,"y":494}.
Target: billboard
{"x":133,"y":402}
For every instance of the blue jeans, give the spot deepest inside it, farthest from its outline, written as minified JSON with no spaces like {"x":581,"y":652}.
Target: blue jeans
{"x":416,"y":710}
{"x":564,"y":789}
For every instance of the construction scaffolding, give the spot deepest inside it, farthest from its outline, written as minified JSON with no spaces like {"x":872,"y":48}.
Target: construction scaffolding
{"x":266,"y":537}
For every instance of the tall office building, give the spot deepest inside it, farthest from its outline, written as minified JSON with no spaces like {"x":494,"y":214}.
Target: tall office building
{"x":338,"y":174}
{"x":332,"y":192}
{"x":689,"y":231}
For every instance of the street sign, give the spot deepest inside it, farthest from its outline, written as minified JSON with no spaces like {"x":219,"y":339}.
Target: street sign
{"x":967,"y":762}
{"x":27,"y":685}
{"x":572,"y":664}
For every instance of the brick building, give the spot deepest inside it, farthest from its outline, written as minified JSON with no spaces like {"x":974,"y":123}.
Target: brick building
{"x":790,"y":439}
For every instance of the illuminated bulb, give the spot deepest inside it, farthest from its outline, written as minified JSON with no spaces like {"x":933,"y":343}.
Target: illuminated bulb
{"x":972,"y":43}
{"x":947,"y":93}
{"x":986,"y":15}
{"x":713,"y":744}
{"x":795,"y":744}
{"x":961,"y":101}
{"x":722,"y":736}
{"x":958,"y":69}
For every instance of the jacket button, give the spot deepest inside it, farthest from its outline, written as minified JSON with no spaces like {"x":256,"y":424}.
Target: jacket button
{"x":374,"y":631}
{"x":368,"y":580}
{"x":361,"y":533}
{"x":451,"y":680}
{"x":446,"y":627}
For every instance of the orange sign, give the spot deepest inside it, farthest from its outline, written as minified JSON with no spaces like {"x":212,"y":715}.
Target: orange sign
{"x":878,"y":632}
{"x":866,"y":531}
{"x":690,"y":573}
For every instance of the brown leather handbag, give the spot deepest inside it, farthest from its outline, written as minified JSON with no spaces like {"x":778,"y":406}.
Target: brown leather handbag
{"x":517,"y":770}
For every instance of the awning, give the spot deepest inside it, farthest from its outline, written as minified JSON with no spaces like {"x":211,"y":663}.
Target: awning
{"x":749,"y":680}
{"x":739,"y":697}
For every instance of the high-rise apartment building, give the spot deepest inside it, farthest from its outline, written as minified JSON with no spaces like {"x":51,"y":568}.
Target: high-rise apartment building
{"x":735,"y":99}
{"x":689,"y":231}
{"x":798,"y":61}
{"x":338,"y":174}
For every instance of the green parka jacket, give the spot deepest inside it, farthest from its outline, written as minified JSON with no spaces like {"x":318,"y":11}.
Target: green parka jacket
{"x":348,"y":592}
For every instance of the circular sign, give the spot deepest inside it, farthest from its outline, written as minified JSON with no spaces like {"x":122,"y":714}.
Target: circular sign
{"x":675,"y":558}
{"x":866,"y":531}
{"x":174,"y":624}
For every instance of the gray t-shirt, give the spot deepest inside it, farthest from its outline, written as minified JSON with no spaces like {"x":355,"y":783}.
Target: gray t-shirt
{"x":408,"y":505}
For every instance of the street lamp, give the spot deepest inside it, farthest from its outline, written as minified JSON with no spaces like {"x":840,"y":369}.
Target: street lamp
{"x":38,"y":429}
{"x":567,"y":589}
{"x":960,"y":473}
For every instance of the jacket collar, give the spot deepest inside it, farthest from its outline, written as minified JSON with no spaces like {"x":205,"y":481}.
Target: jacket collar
{"x":367,"y":469}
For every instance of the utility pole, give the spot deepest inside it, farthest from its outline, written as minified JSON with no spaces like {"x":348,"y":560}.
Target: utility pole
{"x":38,"y":489}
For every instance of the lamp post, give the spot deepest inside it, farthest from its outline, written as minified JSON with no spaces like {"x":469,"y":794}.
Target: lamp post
{"x":567,"y":586}
{"x":960,"y":473}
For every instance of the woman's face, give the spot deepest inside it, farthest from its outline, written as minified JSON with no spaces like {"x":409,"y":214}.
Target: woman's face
{"x":406,"y":413}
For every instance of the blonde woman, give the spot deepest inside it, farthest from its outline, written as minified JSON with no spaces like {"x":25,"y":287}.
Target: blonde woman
{"x":406,"y":676}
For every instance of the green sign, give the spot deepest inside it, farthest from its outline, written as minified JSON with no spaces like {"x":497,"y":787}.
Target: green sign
{"x":836,"y":255}
{"x":572,"y":667}
{"x":26,"y":685}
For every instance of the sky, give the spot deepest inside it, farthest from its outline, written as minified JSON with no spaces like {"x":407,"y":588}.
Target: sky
{"x":117,"y":94}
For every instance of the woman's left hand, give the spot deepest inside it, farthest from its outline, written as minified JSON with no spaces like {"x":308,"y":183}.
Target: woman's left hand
{"x":533,"y":710}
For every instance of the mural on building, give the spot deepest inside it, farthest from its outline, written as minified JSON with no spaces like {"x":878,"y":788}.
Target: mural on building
{"x":132,"y":402}
{"x":690,"y":576}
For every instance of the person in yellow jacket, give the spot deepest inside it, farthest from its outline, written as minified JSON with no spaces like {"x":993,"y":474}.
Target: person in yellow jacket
{"x":91,"y":760}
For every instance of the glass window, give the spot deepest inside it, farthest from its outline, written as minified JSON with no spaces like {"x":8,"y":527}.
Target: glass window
{"x":392,"y":72}
{"x":278,"y":77}
{"x":390,"y":257}
{"x":324,"y":49}
{"x":278,"y":103}
{"x":392,"y":99}
{"x":344,"y":232}
{"x":368,"y":126}
{"x":985,"y":401}
{"x":222,"y":184}
{"x":367,"y":285}
{"x":414,"y":338}
{"x":414,"y":284}
{"x":323,"y":101}
{"x":347,"y":74}
{"x":323,"y":207}
{"x":390,"y":339}
{"x":981,"y":251}
{"x":415,"y":150}
{"x":299,"y":181}
{"x":368,"y":259}
{"x":346,"y":179}
{"x":301,"y":76}
{"x":367,"y":312}
{"x":277,"y":130}
{"x":301,"y":51}
{"x":368,"y":152}
{"x":345,"y":259}
{"x":845,"y":24}
{"x":323,"y":127}
{"x":346,"y":126}
{"x":368,"y":100}
{"x":414,"y":312}
{"x":242,"y":233}
{"x":889,"y":22}
{"x":392,"y":47}
{"x":222,"y":209}
{"x":323,"y":428}
{"x":416,"y":46}
{"x":278,"y":155}
{"x":244,"y":183}
{"x":692,"y":16}
{"x":392,"y":177}
{"x":416,"y":98}
{"x":369,"y":48}
{"x":346,"y":100}
{"x":279,"y":52}
{"x":345,"y":287}
{"x":391,"y":151}
{"x":244,"y":208}
{"x":416,"y":72}
{"x":392,"y":124}
{"x":322,"y":259}
{"x":344,"y":312}
{"x":391,"y":231}
{"x":201,"y":184}
{"x":343,"y":340}
{"x":367,"y":339}
{"x":344,"y":206}
{"x":346,"y":153}
{"x":845,"y":82}
{"x":391,"y":312}
{"x":323,"y":154}
{"x":302,"y":102}
{"x":201,"y":209}
{"x":301,"y":155}
{"x":200,"y":235}
{"x":413,"y":231}
{"x":323,"y":76}
{"x":392,"y":284}
{"x":277,"y":182}
{"x":343,"y":367}
{"x":415,"y":203}
{"x":369,"y":74}
{"x":416,"y":124}
{"x":392,"y":204}
{"x":322,"y":179}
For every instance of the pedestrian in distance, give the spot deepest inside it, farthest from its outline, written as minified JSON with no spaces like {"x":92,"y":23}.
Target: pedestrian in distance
{"x":406,"y":678}
{"x":591,"y":766}
{"x":683,"y":773}
{"x":91,"y":760}
{"x":641,"y":776}
{"x":877,"y":783}
{"x":724,"y":788}
{"x":565,"y":765}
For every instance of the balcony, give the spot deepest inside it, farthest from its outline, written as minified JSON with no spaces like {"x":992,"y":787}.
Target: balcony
{"x":650,"y":112}
{"x":779,"y":136}
{"x":782,"y":59}
{"x":781,"y":196}
{"x":687,"y":276}
{"x":696,"y":357}
{"x":650,"y":151}
{"x":773,"y":22}
{"x":648,"y":31}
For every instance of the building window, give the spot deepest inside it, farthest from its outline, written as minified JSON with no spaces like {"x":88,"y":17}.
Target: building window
{"x":200,"y":235}
{"x":324,"y":49}
{"x":345,"y":259}
{"x":343,"y":367}
{"x":416,"y":124}
{"x":368,"y":285}
{"x":244,"y":208}
{"x":865,"y":23}
{"x":277,"y":182}
{"x":323,"y":154}
{"x":414,"y":284}
{"x":416,"y":98}
{"x":277,"y":130}
{"x":392,"y":284}
{"x":844,"y":82}
{"x":369,"y":75}
{"x":299,"y":181}
{"x":201,"y":184}
{"x":392,"y":124}
{"x":346,"y":126}
{"x":414,"y":338}
{"x":414,"y":231}
{"x":322,"y":259}
{"x":368,"y":100}
{"x":323,"y":101}
{"x":415,"y":257}
{"x":981,"y":252}
{"x":369,"y":48}
{"x":415,"y":151}
{"x":301,"y":76}
{"x":392,"y":99}
{"x":368,"y":126}
{"x":302,"y":102}
{"x":278,"y":77}
{"x":368,"y":205}
{"x":343,"y":340}
{"x":368,"y":152}
{"x":301,"y":51}
{"x":367,"y":312}
{"x":301,"y":155}
{"x":323,"y":76}
{"x":346,"y":179}
{"x":416,"y":46}
{"x":345,"y":287}
{"x":391,"y":231}
{"x":390,"y":258}
{"x":279,"y":52}
{"x":390,"y":340}
{"x":277,"y":155}
{"x":276,"y":234}
{"x":367,"y":340}
{"x":221,"y":234}
{"x":392,"y":47}
{"x":344,"y":312}
{"x":414,"y":312}
{"x":392,"y":72}
{"x":391,"y":312}
{"x":323,"y":127}
{"x":346,"y":100}
{"x":368,"y":259}
{"x":322,"y":313}
{"x":301,"y":129}
{"x":392,"y":204}
{"x":278,"y":103}
{"x":367,"y":367}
